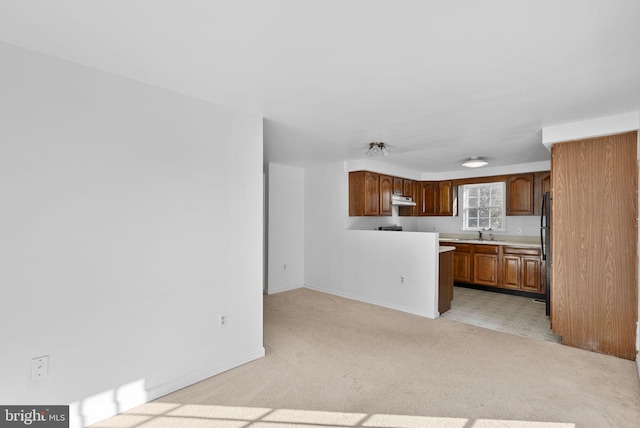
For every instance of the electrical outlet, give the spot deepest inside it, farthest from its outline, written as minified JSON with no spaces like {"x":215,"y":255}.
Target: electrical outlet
{"x":402,"y":280}
{"x":39,"y":367}
{"x":284,"y":266}
{"x":223,"y":320}
{"x":519,"y":231}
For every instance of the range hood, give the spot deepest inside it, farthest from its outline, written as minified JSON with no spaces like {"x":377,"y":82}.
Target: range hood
{"x":402,"y":201}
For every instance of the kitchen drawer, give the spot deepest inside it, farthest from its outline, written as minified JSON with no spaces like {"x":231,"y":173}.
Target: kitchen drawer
{"x":464,"y":248}
{"x":525,"y":251}
{"x":486,"y":249}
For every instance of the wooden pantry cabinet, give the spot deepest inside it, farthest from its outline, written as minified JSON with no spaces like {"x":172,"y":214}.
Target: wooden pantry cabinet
{"x":594,"y":237}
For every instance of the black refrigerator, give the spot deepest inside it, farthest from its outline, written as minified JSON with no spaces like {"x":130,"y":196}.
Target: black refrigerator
{"x":545,"y":240}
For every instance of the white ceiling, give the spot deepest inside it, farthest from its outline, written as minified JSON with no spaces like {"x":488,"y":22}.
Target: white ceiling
{"x":438,"y":81}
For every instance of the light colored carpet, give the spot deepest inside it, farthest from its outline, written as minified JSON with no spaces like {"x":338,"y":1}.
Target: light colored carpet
{"x":334,"y":362}
{"x":501,"y":312}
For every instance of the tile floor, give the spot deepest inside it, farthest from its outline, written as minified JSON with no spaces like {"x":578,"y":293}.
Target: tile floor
{"x":501,"y":312}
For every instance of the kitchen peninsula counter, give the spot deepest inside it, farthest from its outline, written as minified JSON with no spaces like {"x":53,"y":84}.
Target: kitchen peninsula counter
{"x":512,"y":241}
{"x":398,"y":270}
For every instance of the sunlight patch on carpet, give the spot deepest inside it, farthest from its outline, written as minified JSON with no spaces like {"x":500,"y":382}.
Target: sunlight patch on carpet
{"x":161,"y":415}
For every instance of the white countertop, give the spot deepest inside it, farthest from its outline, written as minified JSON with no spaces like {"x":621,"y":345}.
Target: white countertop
{"x":509,"y":242}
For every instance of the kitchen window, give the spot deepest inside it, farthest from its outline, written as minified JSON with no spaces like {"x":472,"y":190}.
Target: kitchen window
{"x":483,"y":206}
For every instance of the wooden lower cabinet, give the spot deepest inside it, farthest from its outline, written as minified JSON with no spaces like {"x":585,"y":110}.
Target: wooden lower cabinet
{"x":514,"y":268}
{"x":445,"y":281}
{"x":532,"y":275}
{"x":462,"y":263}
{"x":485,"y":265}
{"x":511,"y":272}
{"x":522,"y":269}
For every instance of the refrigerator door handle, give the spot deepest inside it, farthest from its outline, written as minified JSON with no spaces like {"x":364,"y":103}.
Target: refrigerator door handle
{"x":542,"y":213}
{"x":542,"y":228}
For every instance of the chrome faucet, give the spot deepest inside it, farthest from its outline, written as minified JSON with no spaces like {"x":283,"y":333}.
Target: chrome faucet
{"x":484,"y":229}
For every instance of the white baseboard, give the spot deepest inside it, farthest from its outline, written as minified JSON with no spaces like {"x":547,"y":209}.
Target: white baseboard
{"x":96,"y":409}
{"x":283,"y":289}
{"x":163,"y":389}
{"x":364,"y":300}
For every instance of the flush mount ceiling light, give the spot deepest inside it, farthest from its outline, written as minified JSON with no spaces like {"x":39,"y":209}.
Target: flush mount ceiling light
{"x":377,"y":149}
{"x":474,"y":162}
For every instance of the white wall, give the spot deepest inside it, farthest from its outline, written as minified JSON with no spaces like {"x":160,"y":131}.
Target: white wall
{"x":325,"y":213}
{"x":130,"y":221}
{"x":286,"y":228}
{"x":524,"y":226}
{"x":590,"y":128}
{"x":336,"y":256}
{"x":374,"y":263}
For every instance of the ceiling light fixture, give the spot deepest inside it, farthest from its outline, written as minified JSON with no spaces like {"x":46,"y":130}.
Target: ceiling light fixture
{"x":377,"y":149}
{"x":475,"y":162}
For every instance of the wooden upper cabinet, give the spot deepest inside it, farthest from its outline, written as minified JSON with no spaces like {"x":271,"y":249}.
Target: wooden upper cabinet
{"x":398,"y":185}
{"x":416,"y":195}
{"x":364,"y":193}
{"x":520,"y":194}
{"x":430,"y":198}
{"x":370,"y":194}
{"x":541,"y":185}
{"x":386,"y":190}
{"x":445,"y":197}
{"x":407,"y":190}
{"x":407,"y":187}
